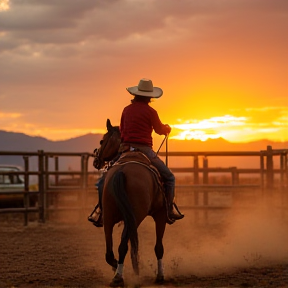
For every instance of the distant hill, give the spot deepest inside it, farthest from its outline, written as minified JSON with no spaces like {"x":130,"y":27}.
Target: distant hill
{"x":11,"y":141}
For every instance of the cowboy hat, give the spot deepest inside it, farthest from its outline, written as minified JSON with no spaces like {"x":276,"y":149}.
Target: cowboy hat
{"x":145,"y":88}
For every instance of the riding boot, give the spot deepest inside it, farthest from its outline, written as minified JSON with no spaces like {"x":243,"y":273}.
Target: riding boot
{"x":172,"y":215}
{"x":96,"y":215}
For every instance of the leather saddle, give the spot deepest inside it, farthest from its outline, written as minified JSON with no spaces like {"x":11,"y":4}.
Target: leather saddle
{"x":142,"y":159}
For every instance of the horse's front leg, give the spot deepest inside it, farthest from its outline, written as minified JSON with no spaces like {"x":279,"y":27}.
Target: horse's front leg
{"x":159,"y":249}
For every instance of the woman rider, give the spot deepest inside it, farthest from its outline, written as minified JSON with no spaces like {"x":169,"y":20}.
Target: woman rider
{"x":138,"y":120}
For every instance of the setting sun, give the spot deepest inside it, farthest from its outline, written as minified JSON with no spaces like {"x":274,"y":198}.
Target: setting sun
{"x":236,"y":128}
{"x":212,"y":128}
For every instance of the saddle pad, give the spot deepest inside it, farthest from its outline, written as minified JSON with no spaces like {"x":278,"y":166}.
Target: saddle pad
{"x":133,"y":156}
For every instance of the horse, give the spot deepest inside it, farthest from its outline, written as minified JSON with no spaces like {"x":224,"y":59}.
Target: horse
{"x":131,"y":192}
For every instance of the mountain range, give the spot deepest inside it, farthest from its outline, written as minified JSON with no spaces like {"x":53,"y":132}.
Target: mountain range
{"x":12,"y":141}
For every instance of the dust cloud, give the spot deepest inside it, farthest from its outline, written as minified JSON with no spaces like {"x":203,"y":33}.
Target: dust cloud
{"x":222,"y":241}
{"x":207,"y":241}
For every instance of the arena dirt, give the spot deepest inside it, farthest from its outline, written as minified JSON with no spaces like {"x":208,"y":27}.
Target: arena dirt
{"x":239,"y":248}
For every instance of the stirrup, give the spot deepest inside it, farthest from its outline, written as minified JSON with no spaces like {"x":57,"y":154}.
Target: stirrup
{"x":95,"y":208}
{"x":98,"y":222}
{"x":170,"y":221}
{"x":176,"y":207}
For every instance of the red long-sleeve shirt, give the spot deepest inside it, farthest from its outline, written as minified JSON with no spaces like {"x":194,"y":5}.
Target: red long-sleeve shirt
{"x":137,"y":123}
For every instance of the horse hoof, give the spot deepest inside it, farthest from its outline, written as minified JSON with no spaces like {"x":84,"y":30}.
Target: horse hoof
{"x":159,"y":279}
{"x":117,"y":281}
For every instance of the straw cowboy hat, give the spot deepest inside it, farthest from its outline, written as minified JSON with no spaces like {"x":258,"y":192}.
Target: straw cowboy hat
{"x":145,"y":88}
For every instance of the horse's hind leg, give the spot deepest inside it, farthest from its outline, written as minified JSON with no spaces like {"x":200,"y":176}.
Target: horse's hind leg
{"x":110,"y":259}
{"x":159,"y":249}
{"x":123,"y":247}
{"x":117,"y":280}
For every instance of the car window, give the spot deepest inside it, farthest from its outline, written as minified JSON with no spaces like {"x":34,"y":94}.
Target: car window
{"x":14,"y":179}
{"x":5,"y":179}
{"x":11,"y":179}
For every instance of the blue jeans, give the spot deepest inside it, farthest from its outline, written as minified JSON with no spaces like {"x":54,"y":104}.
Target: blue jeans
{"x":99,"y":186}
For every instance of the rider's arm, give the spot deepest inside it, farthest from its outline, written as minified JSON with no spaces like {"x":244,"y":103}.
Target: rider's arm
{"x":158,"y":126}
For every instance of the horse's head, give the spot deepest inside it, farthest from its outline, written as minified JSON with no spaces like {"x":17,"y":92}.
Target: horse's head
{"x":109,"y":146}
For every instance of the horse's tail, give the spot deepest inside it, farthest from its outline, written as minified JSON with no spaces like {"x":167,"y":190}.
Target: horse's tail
{"x":130,"y":226}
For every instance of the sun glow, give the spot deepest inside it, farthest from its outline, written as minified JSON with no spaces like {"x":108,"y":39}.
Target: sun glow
{"x":258,"y":123}
{"x":211,"y":128}
{"x":4,"y":5}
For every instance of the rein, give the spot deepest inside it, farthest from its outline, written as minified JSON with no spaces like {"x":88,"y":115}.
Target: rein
{"x":166,"y":157}
{"x":161,"y":144}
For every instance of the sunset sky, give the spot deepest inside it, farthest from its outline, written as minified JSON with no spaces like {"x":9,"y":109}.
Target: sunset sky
{"x":222,"y":64}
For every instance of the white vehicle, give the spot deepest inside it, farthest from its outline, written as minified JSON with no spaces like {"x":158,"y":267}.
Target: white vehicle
{"x":11,"y":182}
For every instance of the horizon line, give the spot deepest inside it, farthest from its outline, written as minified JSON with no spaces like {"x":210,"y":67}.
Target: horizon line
{"x":179,"y":140}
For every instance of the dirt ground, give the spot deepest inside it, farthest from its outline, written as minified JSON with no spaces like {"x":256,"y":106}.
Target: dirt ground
{"x":220,"y":249}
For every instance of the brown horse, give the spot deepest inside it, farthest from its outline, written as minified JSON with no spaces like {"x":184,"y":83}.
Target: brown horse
{"x":131,"y":193}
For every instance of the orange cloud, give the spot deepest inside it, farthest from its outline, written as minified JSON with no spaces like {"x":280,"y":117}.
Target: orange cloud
{"x":9,"y":115}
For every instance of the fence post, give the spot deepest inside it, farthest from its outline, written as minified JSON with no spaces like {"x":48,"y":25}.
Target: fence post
{"x":285,"y":200}
{"x":205,"y":170}
{"x":41,"y":184}
{"x":26,"y":189}
{"x":286,"y":166}
{"x":269,"y":168}
{"x":46,"y":163}
{"x":282,"y":168}
{"x":84,"y":180}
{"x":235,"y":176}
{"x":196,"y":169}
{"x":205,"y":181}
{"x":56,"y":158}
{"x":196,"y":179}
{"x":262,"y":170}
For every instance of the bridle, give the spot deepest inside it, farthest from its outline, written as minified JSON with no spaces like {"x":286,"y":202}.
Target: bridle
{"x":99,"y":161}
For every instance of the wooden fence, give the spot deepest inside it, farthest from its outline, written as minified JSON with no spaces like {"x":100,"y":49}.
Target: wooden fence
{"x":53,"y":181}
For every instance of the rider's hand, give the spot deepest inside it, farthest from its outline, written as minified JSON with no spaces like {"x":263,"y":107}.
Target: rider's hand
{"x":168,"y":129}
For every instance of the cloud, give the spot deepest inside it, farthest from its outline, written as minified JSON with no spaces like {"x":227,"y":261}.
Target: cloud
{"x":22,"y":123}
{"x":84,"y":28}
{"x":9,"y":115}
{"x":255,"y":123}
{"x":283,"y":109}
{"x":58,"y":57}
{"x":44,"y":15}
{"x":75,"y":21}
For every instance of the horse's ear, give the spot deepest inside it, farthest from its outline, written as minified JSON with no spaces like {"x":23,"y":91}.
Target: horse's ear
{"x":108,"y":125}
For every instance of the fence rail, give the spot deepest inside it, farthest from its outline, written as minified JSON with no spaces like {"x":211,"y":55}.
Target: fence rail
{"x":53,"y":181}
